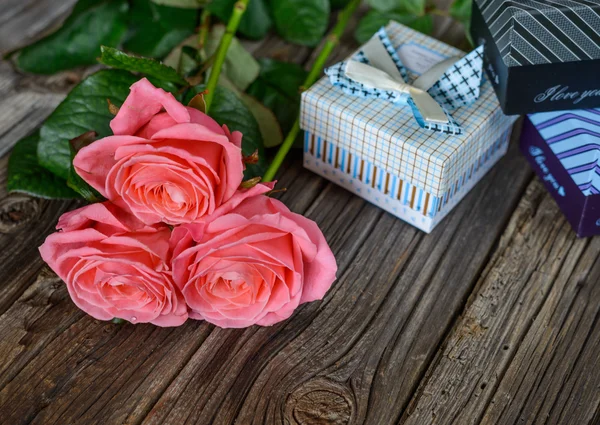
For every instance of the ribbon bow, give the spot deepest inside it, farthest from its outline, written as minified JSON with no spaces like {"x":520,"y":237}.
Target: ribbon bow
{"x":376,"y":71}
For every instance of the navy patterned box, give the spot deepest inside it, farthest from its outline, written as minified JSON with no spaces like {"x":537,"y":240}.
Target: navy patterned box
{"x":564,"y":150}
{"x":541,"y":55}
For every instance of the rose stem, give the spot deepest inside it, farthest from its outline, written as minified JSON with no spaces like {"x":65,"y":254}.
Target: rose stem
{"x":238,"y":11}
{"x":204,"y":27}
{"x":331,"y":42}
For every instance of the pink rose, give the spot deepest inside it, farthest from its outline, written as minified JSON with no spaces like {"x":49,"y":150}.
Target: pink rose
{"x":116,"y":266}
{"x":172,"y":167}
{"x":252,"y":262}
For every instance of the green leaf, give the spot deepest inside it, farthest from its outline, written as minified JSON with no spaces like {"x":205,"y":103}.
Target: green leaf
{"x":25,"y":175}
{"x":461,"y":10}
{"x":227,"y":109}
{"x":165,"y":85}
{"x":301,"y":21}
{"x":91,"y":24}
{"x":423,"y":24}
{"x":151,"y":67}
{"x":75,"y":181}
{"x":156,"y":30}
{"x":84,"y":109}
{"x":184,"y":4}
{"x":240,"y":67}
{"x":180,"y":58}
{"x":414,"y":7}
{"x":278,"y":88}
{"x":374,"y":20}
{"x":256,"y":21}
{"x":270,"y":129}
{"x":338,"y":4}
{"x":384,"y":5}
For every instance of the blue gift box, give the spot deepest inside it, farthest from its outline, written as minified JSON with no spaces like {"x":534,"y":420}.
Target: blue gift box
{"x":563,"y":148}
{"x":378,"y":151}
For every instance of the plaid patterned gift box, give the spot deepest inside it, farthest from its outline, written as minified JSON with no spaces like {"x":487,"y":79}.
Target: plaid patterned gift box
{"x":377,"y":150}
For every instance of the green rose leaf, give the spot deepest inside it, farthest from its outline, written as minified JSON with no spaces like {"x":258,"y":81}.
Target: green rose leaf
{"x":91,"y":24}
{"x":75,"y":181}
{"x":270,"y":129}
{"x":278,"y":88}
{"x":117,"y":59}
{"x":227,"y":109}
{"x":155,"y":30}
{"x":256,"y":21}
{"x":384,"y":5}
{"x":84,"y":109}
{"x":338,"y":4}
{"x":423,"y":24}
{"x":184,"y":4}
{"x":414,"y":7}
{"x":166,"y":86}
{"x":267,"y":121}
{"x":25,"y":175}
{"x":461,"y":10}
{"x":240,"y":67}
{"x":374,"y":20}
{"x":301,"y":21}
{"x":185,"y":58}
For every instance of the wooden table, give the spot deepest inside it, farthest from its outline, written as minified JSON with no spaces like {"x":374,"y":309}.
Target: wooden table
{"x":492,"y":318}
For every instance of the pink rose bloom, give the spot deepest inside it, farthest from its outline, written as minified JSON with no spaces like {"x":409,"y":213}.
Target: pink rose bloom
{"x":166,"y":162}
{"x":252,"y":262}
{"x":116,"y":266}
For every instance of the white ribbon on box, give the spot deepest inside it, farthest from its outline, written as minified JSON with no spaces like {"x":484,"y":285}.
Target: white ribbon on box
{"x":376,"y":71}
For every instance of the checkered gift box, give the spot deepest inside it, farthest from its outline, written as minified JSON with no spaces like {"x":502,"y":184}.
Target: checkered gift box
{"x":377,"y":150}
{"x":457,"y":86}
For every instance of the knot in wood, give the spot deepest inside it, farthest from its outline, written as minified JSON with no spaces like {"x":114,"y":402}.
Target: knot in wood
{"x":320,"y":402}
{"x":16,"y":211}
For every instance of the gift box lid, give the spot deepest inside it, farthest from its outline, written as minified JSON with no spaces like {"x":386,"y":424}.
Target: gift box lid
{"x":574,"y":137}
{"x":531,"y":32}
{"x":388,"y":135}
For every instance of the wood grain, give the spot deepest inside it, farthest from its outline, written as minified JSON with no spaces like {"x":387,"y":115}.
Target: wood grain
{"x":492,"y":318}
{"x":23,"y":21}
{"x":535,"y":262}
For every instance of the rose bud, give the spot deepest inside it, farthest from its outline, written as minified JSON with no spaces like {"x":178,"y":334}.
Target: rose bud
{"x":115,"y":266}
{"x":166,"y":162}
{"x":252,"y":262}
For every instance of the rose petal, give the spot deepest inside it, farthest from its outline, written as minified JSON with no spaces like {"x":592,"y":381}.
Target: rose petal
{"x":145,"y":101}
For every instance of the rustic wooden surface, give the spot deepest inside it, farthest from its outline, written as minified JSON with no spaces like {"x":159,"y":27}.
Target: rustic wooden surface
{"x":493,"y":318}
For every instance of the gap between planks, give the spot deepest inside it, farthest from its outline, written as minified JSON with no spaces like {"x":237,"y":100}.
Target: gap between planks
{"x":495,"y":366}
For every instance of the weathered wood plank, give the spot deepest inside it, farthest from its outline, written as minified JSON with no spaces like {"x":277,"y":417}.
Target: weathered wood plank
{"x":86,"y":364}
{"x":23,"y":21}
{"x":554,"y":377}
{"x":24,"y":221}
{"x":536,"y":257}
{"x":357,"y":356}
{"x":21,"y":109}
{"x":85,"y":386}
